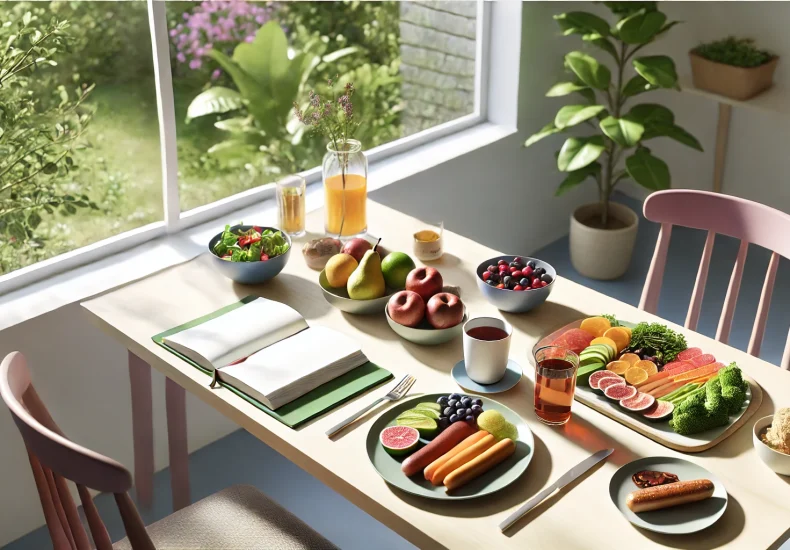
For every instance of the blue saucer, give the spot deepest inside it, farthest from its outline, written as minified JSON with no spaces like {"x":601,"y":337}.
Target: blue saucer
{"x":511,"y":378}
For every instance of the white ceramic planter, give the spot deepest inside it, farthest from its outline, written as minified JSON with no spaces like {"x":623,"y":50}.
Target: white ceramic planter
{"x":602,"y":253}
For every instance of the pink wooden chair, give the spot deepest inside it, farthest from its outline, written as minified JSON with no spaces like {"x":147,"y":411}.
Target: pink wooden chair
{"x":236,"y":517}
{"x":751,"y":222}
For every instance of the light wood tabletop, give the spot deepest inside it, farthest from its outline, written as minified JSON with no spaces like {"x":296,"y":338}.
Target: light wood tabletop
{"x":581,"y":516}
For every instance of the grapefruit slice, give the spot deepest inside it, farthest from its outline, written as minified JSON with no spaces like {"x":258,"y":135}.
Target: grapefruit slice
{"x":399,"y":440}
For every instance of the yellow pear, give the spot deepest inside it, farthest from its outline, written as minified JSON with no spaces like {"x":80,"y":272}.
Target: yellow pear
{"x":367,"y":281}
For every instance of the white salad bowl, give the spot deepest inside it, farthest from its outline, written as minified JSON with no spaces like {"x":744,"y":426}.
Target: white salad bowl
{"x":777,"y":461}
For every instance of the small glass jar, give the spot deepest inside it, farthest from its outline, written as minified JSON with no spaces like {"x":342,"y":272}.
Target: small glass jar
{"x":290,"y":205}
{"x":428,"y":244}
{"x":345,"y":175}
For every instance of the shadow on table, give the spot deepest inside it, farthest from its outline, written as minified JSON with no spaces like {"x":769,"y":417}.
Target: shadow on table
{"x":533,"y":479}
{"x":533,"y":323}
{"x":712,"y":537}
{"x":375,"y":325}
{"x":780,"y":541}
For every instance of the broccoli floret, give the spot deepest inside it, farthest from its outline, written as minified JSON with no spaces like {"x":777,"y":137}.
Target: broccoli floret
{"x":702,"y":411}
{"x":693,"y":403}
{"x":713,"y":398}
{"x":733,"y":387}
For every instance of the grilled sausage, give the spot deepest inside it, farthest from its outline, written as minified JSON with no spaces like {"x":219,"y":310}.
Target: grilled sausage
{"x":672,"y":494}
{"x":443,"y":442}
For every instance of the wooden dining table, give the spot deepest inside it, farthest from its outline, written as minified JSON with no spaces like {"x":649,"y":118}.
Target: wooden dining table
{"x":580,"y":516}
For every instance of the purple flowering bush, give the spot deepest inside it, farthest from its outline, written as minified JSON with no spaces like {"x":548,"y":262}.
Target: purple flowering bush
{"x":219,"y":26}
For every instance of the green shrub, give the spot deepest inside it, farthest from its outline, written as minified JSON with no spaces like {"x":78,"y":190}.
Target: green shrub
{"x":738,"y":52}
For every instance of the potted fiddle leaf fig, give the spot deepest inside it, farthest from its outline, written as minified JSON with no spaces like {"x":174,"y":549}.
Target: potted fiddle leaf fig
{"x":610,"y":137}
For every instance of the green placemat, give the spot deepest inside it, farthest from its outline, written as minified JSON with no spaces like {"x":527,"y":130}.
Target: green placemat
{"x":320,"y":400}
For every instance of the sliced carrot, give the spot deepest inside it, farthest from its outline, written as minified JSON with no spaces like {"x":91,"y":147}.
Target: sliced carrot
{"x":647,"y":388}
{"x":654,"y":378}
{"x":666,"y":389}
{"x":463,"y":445}
{"x":462,"y":458}
{"x":696,"y":373}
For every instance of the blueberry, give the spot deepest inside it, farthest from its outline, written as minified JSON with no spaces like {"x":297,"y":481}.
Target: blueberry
{"x":443,"y":423}
{"x":453,"y":396}
{"x":546,"y":278}
{"x":442,"y":401}
{"x":453,"y":402}
{"x":494,"y":277}
{"x":454,"y":418}
{"x":539,"y":271}
{"x":477,"y":408}
{"x":506,"y":279}
{"x":524,"y":282}
{"x":448,"y":411}
{"x":532,"y":264}
{"x":466,"y":402}
{"x":491,"y":282}
{"x":478,"y":402}
{"x":469,"y":418}
{"x":513,"y":264}
{"x":460,"y":412}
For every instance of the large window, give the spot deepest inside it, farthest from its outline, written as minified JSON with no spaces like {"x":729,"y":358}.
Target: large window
{"x":222,"y":113}
{"x":79,"y":138}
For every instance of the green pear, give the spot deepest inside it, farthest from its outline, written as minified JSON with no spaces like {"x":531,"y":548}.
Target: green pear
{"x":367,"y":281}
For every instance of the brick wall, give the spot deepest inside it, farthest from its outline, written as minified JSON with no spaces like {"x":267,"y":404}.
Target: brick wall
{"x":437,"y":61}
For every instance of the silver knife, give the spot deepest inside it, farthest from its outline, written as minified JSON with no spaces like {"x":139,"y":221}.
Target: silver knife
{"x":569,"y":476}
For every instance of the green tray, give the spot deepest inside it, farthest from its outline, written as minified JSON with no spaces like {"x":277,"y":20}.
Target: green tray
{"x":498,"y":478}
{"x":312,"y":404}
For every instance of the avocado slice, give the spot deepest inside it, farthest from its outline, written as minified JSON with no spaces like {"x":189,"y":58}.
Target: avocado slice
{"x":583,"y":374}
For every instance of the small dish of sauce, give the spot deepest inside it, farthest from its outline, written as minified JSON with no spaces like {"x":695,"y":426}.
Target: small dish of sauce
{"x":428,"y":243}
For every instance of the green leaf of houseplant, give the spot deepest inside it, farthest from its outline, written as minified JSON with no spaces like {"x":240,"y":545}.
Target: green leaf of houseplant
{"x":658,"y":70}
{"x":571,"y":115}
{"x":651,"y":113}
{"x":576,"y":177}
{"x":214,"y":101}
{"x":673,"y":132}
{"x":641,"y":27}
{"x":581,"y":21}
{"x":589,"y":70}
{"x":647,"y":170}
{"x":601,"y":42}
{"x":565,"y":88}
{"x":577,"y":153}
{"x":547,"y":130}
{"x":637,"y":85}
{"x":624,"y":131}
{"x":666,"y":27}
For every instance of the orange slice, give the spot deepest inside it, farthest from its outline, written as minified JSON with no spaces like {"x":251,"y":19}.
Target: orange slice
{"x":604,"y":340}
{"x":635,"y":375}
{"x":596,"y":325}
{"x":619,"y":367}
{"x":648,"y":366}
{"x":620,"y":336}
{"x":628,"y":330}
{"x":630,"y":357}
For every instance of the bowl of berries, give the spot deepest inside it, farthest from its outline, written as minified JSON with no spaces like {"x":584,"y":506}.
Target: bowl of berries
{"x":515,"y":283}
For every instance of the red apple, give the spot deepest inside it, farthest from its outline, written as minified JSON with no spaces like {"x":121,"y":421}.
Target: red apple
{"x":356,"y":247}
{"x":444,"y":310}
{"x":425,"y":281}
{"x":406,"y":308}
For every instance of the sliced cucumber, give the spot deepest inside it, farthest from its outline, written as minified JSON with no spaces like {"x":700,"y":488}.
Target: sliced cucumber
{"x":583,"y":374}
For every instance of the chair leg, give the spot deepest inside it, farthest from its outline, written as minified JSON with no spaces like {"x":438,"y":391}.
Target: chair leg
{"x":175,"y":400}
{"x":142,"y":429}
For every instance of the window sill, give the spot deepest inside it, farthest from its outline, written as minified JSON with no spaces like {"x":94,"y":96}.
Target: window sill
{"x":138,"y":262}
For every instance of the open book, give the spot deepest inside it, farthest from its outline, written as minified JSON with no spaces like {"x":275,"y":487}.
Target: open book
{"x":266,"y":350}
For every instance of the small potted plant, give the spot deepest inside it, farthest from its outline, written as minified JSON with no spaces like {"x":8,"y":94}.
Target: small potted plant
{"x":611,"y":148}
{"x":732,"y":67}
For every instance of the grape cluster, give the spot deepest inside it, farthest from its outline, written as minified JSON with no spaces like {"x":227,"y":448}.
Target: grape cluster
{"x":457,"y":408}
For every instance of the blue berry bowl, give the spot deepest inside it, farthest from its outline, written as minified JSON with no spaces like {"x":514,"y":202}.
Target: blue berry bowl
{"x":515,"y":301}
{"x":250,"y":273}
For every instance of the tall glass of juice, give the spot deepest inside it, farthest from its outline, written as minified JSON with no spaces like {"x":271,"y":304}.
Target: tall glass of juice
{"x":345,"y":172}
{"x":555,"y":382}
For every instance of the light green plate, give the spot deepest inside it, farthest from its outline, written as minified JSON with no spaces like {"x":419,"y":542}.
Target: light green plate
{"x":678,"y":520}
{"x":338,"y":297}
{"x":500,"y":477}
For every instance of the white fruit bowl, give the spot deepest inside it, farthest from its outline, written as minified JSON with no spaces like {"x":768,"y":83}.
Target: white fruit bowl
{"x":424,"y":334}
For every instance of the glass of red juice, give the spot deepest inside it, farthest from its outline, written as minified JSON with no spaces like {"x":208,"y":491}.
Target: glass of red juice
{"x":555,"y":382}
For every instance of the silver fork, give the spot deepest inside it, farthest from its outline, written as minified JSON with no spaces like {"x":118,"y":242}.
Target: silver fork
{"x":396,"y":393}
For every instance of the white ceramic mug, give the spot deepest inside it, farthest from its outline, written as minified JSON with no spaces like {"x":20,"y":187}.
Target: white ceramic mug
{"x":486,"y":360}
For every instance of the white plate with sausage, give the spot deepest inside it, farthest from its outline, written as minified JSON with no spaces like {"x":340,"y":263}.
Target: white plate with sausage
{"x":696,"y":500}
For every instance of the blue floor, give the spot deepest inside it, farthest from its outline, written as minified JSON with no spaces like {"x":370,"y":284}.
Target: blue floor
{"x":244,"y":459}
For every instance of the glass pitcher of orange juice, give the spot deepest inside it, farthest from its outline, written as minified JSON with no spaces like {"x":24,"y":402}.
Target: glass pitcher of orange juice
{"x":345,"y":172}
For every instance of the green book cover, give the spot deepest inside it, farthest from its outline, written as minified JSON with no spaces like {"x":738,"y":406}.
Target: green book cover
{"x":312,"y":404}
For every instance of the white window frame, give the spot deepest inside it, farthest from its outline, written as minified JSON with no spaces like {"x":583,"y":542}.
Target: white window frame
{"x":176,"y":220}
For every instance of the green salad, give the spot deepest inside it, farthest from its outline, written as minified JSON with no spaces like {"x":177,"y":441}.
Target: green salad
{"x":253,"y":245}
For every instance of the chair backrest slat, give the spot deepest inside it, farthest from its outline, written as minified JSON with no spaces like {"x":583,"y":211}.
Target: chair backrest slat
{"x":731,"y":299}
{"x":758,"y":331}
{"x":695,"y":306}
{"x":54,"y":459}
{"x":715,"y":213}
{"x":652,"y":290}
